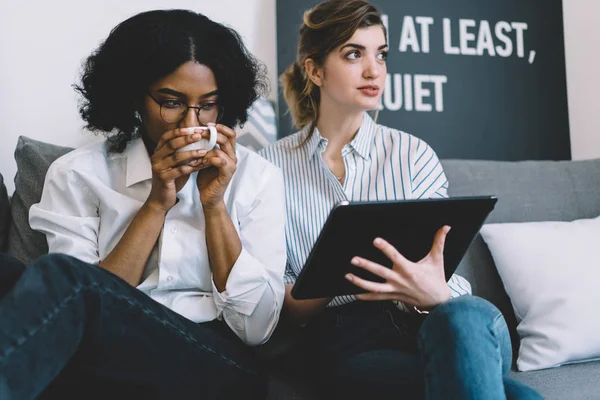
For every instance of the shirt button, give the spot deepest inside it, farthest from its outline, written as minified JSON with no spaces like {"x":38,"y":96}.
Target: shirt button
{"x":352,"y":168}
{"x":169,"y":278}
{"x":173,"y":229}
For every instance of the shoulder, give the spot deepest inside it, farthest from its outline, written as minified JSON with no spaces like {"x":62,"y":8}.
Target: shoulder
{"x":405,"y":142}
{"x":88,"y":158}
{"x":253,"y":167}
{"x":283,"y":149}
{"x":403,"y":138}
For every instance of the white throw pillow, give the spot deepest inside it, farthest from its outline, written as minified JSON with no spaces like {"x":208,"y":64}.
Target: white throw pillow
{"x":551,"y":272}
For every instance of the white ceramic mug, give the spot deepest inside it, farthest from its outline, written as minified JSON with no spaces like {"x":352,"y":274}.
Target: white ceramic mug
{"x":202,"y":144}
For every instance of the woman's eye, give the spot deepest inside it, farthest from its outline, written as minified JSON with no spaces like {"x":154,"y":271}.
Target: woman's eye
{"x":353,"y":55}
{"x":172,"y":104}
{"x":208,"y":106}
{"x":383,"y":55}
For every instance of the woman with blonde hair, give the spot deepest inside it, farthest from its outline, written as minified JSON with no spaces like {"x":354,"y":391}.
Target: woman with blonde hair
{"x":414,"y":335}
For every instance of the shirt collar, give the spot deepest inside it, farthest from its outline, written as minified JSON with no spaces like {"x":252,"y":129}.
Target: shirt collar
{"x":361,"y":143}
{"x":364,"y":138}
{"x":315,"y":140}
{"x":139,"y":167}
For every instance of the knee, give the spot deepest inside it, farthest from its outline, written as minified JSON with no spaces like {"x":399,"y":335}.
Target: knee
{"x":464,"y":316}
{"x":57,"y":267}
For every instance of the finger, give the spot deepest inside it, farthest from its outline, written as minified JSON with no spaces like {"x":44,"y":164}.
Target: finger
{"x":439,"y":241}
{"x":215,"y":161}
{"x":178,"y":158}
{"x":174,"y":173}
{"x":369,"y":286}
{"x":229,"y":133}
{"x":390,"y":252}
{"x":195,"y":163}
{"x":169,"y":135}
{"x":218,"y":158}
{"x":224,"y":143}
{"x":225,"y":130}
{"x":380,"y":296}
{"x":226,"y":146}
{"x":175,"y":144}
{"x":376,"y":269}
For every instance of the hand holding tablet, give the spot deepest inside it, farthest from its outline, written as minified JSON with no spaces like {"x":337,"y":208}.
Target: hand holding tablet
{"x":408,"y":226}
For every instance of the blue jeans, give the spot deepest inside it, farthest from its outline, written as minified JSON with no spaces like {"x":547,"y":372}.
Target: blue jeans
{"x":73,"y":330}
{"x":460,"y":351}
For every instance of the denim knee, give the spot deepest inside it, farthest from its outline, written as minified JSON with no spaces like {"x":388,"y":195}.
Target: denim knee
{"x":464,"y":315}
{"x":62,"y":267}
{"x":468,"y":319}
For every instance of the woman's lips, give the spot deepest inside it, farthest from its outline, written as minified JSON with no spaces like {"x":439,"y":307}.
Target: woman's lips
{"x":370,"y":91}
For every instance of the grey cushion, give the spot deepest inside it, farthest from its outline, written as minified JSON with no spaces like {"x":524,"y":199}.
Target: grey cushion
{"x":4,"y":215}
{"x":530,"y":190}
{"x":572,"y":382}
{"x":33,"y":159}
{"x":526,"y":191}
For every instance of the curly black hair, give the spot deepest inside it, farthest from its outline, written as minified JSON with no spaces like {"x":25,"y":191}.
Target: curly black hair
{"x":151,"y":45}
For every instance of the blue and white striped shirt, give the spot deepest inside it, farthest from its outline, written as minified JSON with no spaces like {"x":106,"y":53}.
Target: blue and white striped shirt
{"x":381,"y":164}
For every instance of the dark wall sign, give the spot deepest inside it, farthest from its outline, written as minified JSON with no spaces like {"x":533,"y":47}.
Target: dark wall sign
{"x":475,"y":79}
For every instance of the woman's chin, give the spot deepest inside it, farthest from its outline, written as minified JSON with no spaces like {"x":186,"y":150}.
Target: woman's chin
{"x":368,"y":105}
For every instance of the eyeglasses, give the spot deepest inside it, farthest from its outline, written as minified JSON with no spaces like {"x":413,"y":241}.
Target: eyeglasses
{"x":173,"y":111}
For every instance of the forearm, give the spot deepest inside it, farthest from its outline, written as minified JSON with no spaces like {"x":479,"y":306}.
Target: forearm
{"x":130,"y":256}
{"x":301,"y":311}
{"x":223,"y":244}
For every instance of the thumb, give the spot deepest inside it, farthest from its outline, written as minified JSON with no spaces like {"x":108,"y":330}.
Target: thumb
{"x":439,"y":241}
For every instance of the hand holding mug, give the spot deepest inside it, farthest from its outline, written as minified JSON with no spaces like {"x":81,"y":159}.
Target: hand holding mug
{"x":218,"y":167}
{"x":203,"y":143}
{"x":172,"y":165}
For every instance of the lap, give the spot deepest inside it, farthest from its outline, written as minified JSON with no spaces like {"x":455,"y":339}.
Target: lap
{"x":126,"y":336}
{"x":364,"y":349}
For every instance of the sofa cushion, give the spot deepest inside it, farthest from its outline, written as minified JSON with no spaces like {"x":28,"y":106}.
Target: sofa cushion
{"x":542,"y":264}
{"x":33,"y":159}
{"x":4,"y":215}
{"x":527,"y":191}
{"x":530,"y":190}
{"x":577,"y":381}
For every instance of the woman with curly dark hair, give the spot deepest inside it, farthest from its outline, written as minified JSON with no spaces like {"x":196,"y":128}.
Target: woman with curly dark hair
{"x":171,"y":252}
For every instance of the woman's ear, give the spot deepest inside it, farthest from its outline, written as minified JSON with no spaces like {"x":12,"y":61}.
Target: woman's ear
{"x":313,"y":72}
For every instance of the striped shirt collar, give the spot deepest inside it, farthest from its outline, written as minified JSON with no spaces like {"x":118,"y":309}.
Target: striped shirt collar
{"x":361,"y":143}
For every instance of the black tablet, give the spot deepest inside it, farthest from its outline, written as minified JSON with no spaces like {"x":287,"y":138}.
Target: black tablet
{"x":409,"y":225}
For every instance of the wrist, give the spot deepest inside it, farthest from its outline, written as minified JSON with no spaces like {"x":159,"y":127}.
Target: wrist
{"x":445,"y":296}
{"x":215,"y":208}
{"x":154,"y":208}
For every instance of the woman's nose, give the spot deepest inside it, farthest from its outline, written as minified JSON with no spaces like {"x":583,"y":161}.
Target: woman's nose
{"x":372,"y":69}
{"x":190,"y":119}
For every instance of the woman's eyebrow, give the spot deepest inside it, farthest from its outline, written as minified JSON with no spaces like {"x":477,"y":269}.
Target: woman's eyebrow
{"x":179,"y":94}
{"x":171,"y":91}
{"x":353,"y":45}
{"x":360,"y":46}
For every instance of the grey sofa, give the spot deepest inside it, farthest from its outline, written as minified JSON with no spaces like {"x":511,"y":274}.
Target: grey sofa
{"x":527,"y":191}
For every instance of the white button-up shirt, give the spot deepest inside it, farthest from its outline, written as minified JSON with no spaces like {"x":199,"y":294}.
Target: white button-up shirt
{"x":90,"y":197}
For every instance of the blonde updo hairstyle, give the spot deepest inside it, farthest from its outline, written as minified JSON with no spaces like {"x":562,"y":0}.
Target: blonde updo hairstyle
{"x":324,"y":28}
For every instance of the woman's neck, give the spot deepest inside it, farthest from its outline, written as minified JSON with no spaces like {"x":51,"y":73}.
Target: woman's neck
{"x":337,"y":125}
